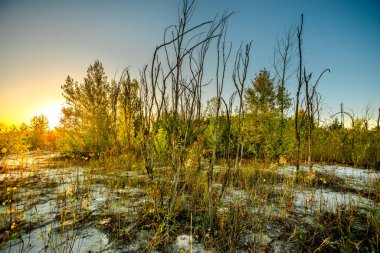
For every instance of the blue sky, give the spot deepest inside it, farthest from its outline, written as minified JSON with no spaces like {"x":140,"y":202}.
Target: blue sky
{"x":44,"y":41}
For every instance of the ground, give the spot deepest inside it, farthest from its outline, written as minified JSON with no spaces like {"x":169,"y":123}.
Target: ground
{"x":52,"y":204}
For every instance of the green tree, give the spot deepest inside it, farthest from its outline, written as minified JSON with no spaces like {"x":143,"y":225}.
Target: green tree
{"x":87,"y":115}
{"x":99,"y":116}
{"x":261,"y":97}
{"x":263,"y":121}
{"x":38,"y":129}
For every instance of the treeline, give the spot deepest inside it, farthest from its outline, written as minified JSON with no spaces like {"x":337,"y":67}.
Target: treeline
{"x":165,"y":119}
{"x":110,"y":118}
{"x":35,"y":136}
{"x":357,"y":145}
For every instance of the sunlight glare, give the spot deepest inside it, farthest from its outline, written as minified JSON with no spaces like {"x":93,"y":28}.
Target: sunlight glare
{"x":52,"y":113}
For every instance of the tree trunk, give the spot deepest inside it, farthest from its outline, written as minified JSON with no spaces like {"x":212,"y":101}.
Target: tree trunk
{"x":300,"y":83}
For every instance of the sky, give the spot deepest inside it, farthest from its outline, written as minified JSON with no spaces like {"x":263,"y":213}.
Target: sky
{"x":41,"y":42}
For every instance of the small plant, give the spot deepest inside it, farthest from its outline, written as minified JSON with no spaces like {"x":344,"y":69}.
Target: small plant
{"x":11,"y":216}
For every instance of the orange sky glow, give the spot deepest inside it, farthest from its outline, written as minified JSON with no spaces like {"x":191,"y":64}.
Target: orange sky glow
{"x":18,"y":115}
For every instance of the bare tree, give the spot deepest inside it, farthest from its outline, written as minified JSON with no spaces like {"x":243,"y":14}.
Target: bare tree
{"x":115,"y":91}
{"x":368,"y":114}
{"x":150,"y":113}
{"x":341,"y":115}
{"x":312,"y":108}
{"x":172,"y":88}
{"x":349,"y":112}
{"x":228,"y":109}
{"x":223,"y":55}
{"x":283,"y":56}
{"x":239,"y":76}
{"x":312,"y":100}
{"x":300,"y":84}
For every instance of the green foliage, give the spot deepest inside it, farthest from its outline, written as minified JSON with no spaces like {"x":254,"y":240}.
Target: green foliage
{"x":13,"y":140}
{"x":355,"y":146}
{"x":98,"y":116}
{"x":263,"y":127}
{"x":16,"y":140}
{"x":283,"y":98}
{"x":102,"y":117}
{"x":261,"y":97}
{"x":38,"y":132}
{"x":162,"y":148}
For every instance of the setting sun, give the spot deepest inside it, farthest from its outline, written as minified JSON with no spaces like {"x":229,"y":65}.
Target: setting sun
{"x":52,"y":113}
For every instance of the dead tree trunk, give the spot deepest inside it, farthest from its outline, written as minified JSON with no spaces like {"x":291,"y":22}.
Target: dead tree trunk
{"x":300,"y":83}
{"x":308,"y":115}
{"x":312,"y":108}
{"x":341,"y":115}
{"x":239,"y":76}
{"x":222,"y":58}
{"x":282,"y":63}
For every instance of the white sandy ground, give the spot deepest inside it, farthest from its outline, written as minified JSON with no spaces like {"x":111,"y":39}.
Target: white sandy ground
{"x":44,"y":209}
